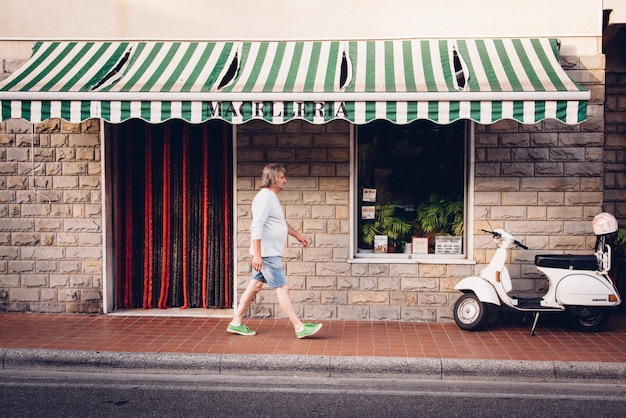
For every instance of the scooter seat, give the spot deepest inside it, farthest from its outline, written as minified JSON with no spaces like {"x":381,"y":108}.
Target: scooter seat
{"x":567,"y":261}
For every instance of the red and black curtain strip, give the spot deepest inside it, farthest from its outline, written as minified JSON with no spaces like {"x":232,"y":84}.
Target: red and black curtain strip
{"x":172,"y":214}
{"x":148,"y":264}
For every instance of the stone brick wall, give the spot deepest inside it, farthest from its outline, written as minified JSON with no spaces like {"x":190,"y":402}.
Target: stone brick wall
{"x":543,"y":183}
{"x":316,"y":201}
{"x":615,"y":147}
{"x":50,"y":217}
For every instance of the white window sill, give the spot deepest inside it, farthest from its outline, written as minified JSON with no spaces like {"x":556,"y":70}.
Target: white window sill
{"x":409,"y":259}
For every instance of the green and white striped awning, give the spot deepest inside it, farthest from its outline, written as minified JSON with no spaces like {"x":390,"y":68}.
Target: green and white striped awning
{"x":358,"y":81}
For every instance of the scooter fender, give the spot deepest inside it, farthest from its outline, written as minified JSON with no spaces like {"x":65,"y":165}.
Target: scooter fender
{"x":585,"y":290}
{"x":483,"y":290}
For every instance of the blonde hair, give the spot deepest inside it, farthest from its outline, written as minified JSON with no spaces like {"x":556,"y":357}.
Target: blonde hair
{"x":270,"y":174}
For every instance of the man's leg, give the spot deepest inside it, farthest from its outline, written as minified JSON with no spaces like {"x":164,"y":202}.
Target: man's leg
{"x":302,"y":330}
{"x":285,"y":304}
{"x":248,"y":296}
{"x":235,"y":326}
{"x":274,"y":274}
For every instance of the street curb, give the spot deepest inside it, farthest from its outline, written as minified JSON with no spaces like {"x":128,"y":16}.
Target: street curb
{"x":320,"y":366}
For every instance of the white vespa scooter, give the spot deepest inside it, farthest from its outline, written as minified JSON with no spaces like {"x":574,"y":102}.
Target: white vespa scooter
{"x":579,"y":285}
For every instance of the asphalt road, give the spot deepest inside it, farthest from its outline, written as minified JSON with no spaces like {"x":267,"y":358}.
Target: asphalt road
{"x":79,"y":394}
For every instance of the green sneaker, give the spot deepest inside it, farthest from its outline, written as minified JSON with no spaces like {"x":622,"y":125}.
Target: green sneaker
{"x":308,"y":330}
{"x":240,"y":329}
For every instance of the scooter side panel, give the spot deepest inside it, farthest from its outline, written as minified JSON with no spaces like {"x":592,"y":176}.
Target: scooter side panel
{"x":484,"y":290}
{"x":585,"y":290}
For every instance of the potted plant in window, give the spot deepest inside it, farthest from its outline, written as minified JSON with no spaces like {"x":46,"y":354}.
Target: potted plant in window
{"x":441,"y":216}
{"x":620,"y":240}
{"x":389,"y":222}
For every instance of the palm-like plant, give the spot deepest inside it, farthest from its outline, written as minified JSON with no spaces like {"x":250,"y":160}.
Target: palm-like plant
{"x":620,"y":240}
{"x":441,"y":215}
{"x":386,"y":222}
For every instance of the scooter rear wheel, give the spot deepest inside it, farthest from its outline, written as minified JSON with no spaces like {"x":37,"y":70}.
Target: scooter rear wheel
{"x":592,"y":322}
{"x":469,"y":312}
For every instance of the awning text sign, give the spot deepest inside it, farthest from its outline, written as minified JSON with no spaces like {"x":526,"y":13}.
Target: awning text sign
{"x":265,"y":110}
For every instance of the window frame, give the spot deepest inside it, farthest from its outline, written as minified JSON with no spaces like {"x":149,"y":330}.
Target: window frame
{"x":404,"y":258}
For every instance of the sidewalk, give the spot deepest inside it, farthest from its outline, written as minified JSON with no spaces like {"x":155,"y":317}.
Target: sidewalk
{"x":341,"y":349}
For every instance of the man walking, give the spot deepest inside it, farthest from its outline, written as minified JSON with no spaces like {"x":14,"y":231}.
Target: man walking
{"x":268,"y":234}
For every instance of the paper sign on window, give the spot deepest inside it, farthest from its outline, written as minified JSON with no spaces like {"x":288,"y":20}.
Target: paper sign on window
{"x":368,"y":212}
{"x":448,"y":245}
{"x":369,"y":195}
{"x":380,"y":243}
{"x":419,"y":245}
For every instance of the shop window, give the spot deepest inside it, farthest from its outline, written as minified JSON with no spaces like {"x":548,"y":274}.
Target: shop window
{"x":412,"y":186}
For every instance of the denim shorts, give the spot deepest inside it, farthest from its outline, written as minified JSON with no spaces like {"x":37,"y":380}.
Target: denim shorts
{"x":271,"y":273}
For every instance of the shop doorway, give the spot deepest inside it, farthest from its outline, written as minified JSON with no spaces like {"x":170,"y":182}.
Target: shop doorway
{"x":172,"y":212}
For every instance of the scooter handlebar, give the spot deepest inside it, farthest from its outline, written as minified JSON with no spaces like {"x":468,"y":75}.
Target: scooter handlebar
{"x":498,"y":235}
{"x":494,"y":233}
{"x":519,"y":244}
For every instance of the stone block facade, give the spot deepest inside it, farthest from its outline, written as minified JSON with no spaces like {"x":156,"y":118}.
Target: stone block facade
{"x":543,"y":183}
{"x":615,"y":146}
{"x":316,"y":201}
{"x":50,"y":217}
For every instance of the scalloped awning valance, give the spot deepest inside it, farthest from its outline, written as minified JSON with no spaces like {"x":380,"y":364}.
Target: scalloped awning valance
{"x":317,"y":81}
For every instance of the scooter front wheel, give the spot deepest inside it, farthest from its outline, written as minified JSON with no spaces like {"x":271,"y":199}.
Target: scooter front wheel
{"x":469,"y":312}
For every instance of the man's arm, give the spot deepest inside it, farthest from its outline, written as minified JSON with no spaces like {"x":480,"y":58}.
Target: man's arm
{"x":298,"y":236}
{"x":257,"y":260}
